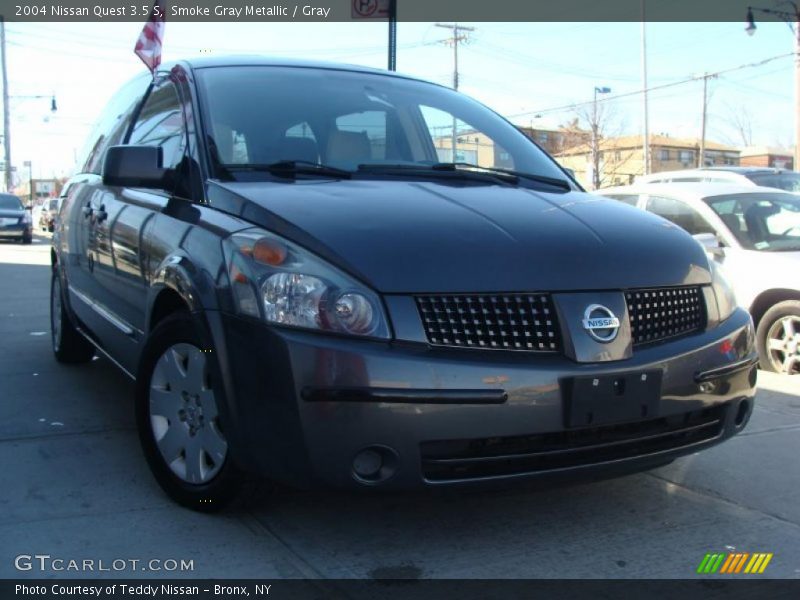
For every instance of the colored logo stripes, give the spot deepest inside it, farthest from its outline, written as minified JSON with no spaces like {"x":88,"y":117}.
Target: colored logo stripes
{"x":735,"y":562}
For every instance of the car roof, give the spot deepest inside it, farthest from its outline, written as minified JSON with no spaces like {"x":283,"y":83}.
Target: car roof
{"x":258,"y":60}
{"x":746,"y":170}
{"x":691,"y":190}
{"x":687,"y":172}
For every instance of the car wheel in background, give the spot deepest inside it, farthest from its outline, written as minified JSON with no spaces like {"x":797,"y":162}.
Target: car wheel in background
{"x":27,"y":238}
{"x":778,"y":338}
{"x":177,"y":415}
{"x":69,"y":346}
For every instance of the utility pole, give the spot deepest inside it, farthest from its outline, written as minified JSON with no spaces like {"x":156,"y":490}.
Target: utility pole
{"x":6,"y":119}
{"x":701,"y":160}
{"x":645,"y":114}
{"x":454,"y":40}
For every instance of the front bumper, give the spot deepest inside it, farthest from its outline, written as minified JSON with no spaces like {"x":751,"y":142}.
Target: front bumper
{"x":302,"y":407}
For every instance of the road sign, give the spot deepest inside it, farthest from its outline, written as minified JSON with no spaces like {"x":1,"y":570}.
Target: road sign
{"x":369,"y":9}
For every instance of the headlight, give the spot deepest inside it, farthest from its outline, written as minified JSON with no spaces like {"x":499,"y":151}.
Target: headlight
{"x":277,"y":280}
{"x":726,"y":300}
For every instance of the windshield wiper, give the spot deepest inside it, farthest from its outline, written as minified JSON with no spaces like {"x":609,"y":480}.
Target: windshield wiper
{"x":506,"y":175}
{"x":290,"y":168}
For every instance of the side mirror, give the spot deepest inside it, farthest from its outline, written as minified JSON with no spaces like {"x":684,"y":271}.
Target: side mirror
{"x":29,"y":208}
{"x":710,"y":242}
{"x":134,"y":166}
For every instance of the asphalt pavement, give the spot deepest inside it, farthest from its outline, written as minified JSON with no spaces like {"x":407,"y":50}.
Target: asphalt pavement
{"x":74,"y":486}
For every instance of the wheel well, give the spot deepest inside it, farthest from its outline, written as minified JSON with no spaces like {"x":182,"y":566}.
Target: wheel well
{"x":167,"y":302}
{"x":768,"y":299}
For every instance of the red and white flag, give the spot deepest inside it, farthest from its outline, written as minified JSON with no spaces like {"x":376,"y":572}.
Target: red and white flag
{"x":148,"y":46}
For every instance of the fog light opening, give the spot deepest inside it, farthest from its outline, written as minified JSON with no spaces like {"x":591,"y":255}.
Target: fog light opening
{"x":741,"y":413}
{"x":375,"y":464}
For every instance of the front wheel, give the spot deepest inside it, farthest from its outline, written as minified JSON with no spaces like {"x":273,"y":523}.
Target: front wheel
{"x":178,"y":397}
{"x":778,"y":338}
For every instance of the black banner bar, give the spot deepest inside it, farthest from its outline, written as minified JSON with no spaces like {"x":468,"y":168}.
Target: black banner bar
{"x":716,"y":588}
{"x":367,"y":11}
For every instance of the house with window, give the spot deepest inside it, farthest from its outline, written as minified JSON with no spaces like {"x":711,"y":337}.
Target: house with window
{"x":621,"y":159}
{"x":764,"y":156}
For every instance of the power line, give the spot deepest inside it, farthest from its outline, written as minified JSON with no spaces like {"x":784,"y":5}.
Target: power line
{"x":650,"y":89}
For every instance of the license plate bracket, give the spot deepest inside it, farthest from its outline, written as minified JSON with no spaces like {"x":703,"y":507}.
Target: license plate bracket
{"x":613,"y":398}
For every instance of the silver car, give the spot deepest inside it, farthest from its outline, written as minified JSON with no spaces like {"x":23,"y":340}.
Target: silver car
{"x":755,"y":233}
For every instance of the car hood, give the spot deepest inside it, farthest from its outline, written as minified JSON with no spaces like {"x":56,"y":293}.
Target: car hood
{"x":9,"y":213}
{"x":414,"y":237}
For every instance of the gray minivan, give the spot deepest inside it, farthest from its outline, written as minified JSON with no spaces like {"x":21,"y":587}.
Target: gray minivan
{"x":330,"y":274}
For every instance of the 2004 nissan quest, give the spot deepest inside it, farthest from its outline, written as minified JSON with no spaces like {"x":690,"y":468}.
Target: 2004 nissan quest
{"x":308,"y":283}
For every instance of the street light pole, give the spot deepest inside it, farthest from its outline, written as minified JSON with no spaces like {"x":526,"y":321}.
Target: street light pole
{"x":645,"y":115}
{"x":595,"y":141}
{"x":792,"y":19}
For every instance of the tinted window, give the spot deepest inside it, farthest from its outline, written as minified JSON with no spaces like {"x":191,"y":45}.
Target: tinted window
{"x":160,"y":123}
{"x":112,"y":124}
{"x":356,"y":118}
{"x":8,"y":202}
{"x":680,"y":213}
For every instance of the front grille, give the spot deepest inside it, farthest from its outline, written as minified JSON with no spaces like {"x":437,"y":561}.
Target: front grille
{"x":499,"y":321}
{"x":663,"y":313}
{"x":454,"y":460}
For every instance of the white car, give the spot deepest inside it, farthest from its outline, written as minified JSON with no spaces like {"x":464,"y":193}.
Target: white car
{"x":782,"y":179}
{"x":755,"y":233}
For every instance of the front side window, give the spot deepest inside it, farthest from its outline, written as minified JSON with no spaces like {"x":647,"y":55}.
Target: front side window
{"x":112,"y":125}
{"x":765,"y":222}
{"x":160,"y":123}
{"x":680,"y":213}
{"x":349,"y":119}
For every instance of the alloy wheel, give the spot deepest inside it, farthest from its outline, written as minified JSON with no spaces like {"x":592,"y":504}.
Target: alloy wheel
{"x":184,"y":416}
{"x":783,"y":344}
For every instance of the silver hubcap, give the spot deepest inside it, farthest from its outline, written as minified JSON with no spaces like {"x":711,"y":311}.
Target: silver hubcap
{"x":183,"y":415}
{"x":783,"y":345}
{"x":55,"y":314}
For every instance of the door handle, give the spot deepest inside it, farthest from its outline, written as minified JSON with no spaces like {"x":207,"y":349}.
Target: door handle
{"x":100,"y":214}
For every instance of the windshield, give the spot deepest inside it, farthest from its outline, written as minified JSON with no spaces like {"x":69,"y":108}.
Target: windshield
{"x":766,"y":222}
{"x":10,"y":202}
{"x":787,"y":180}
{"x":265,"y":115}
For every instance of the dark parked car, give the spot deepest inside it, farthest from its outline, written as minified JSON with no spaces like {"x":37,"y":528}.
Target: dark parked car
{"x":305,"y":286}
{"x":15,"y":220}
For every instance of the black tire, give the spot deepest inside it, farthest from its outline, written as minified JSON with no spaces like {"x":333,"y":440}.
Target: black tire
{"x":69,"y":346}
{"x":27,"y":239}
{"x":768,"y":327}
{"x":181,"y":329}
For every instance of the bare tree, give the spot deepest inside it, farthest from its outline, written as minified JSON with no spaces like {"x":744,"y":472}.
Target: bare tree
{"x":740,"y":120}
{"x":606,"y":125}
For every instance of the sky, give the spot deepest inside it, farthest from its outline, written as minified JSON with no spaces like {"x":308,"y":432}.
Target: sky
{"x":532,"y":73}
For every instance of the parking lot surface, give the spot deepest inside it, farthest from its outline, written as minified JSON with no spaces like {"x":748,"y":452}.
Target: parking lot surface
{"x":74,"y":485}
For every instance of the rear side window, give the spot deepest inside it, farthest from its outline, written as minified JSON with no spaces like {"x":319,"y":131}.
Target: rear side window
{"x":160,"y":123}
{"x":680,"y":213}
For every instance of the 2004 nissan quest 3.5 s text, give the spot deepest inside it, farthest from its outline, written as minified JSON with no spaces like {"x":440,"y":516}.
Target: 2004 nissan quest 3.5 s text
{"x":307,"y":283}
